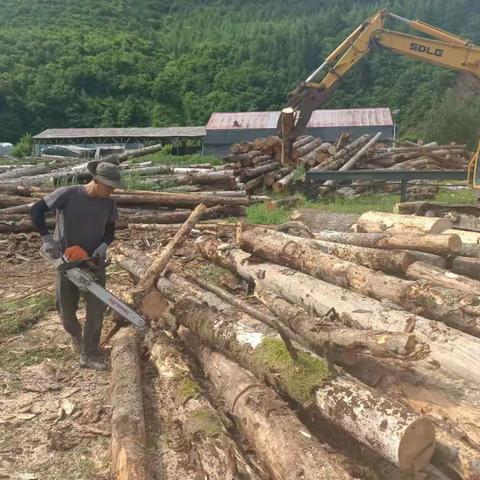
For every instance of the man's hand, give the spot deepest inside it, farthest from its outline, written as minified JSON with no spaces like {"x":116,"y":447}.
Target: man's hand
{"x":51,"y":246}
{"x":100,"y":253}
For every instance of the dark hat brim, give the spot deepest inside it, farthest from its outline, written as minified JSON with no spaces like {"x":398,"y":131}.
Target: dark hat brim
{"x":109,"y":182}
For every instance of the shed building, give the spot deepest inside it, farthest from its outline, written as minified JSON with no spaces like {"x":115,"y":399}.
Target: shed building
{"x":225,"y":129}
{"x":128,"y":138}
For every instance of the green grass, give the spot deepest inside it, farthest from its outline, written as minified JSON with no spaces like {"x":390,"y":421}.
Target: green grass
{"x":17,"y":316}
{"x":259,"y":214}
{"x":14,"y":361}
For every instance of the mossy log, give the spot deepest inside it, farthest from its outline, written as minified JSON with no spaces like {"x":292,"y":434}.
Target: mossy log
{"x":281,"y":441}
{"x":456,"y":354}
{"x":393,"y":431}
{"x":436,"y":244}
{"x":387,"y":261}
{"x":128,"y":452}
{"x":323,"y":334}
{"x":212,"y":451}
{"x":381,"y":221}
{"x":444,"y":278}
{"x":459,"y":309}
{"x":261,"y":350}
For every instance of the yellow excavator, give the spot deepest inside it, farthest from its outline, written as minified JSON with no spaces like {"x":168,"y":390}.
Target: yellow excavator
{"x":444,"y":49}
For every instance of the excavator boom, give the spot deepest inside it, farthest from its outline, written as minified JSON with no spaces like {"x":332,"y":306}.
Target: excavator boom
{"x":445,"y":49}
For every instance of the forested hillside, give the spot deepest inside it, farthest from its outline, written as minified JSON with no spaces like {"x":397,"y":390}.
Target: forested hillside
{"x":149,"y":62}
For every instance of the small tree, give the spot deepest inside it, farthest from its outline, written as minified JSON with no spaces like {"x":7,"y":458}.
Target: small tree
{"x":24,"y":146}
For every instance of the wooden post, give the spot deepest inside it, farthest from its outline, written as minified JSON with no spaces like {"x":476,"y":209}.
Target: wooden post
{"x":288,"y":121}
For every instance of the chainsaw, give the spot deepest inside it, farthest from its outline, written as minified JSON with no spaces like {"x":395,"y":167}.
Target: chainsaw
{"x":78,"y":273}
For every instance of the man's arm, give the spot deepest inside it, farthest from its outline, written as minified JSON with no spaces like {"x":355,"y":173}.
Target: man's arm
{"x":37,"y":214}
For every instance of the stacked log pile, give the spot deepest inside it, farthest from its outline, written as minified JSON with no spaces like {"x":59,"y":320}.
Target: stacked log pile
{"x":349,"y":327}
{"x":362,"y":153}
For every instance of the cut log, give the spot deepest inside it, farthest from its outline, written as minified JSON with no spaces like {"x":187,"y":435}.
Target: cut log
{"x":259,"y":349}
{"x":302,"y":141}
{"x":437,"y":244}
{"x":307,"y":148}
{"x":388,"y":220}
{"x":314,"y":333}
{"x":392,"y":262}
{"x":158,"y":266}
{"x":283,"y":444}
{"x":430,"y":258}
{"x":282,"y":184}
{"x":178,"y":200}
{"x":467,"y":266}
{"x":254,"y":183}
{"x":180,"y":216}
{"x":264,"y":354}
{"x":341,"y":157}
{"x":444,"y":278}
{"x":287,"y":124}
{"x":455,"y":353}
{"x":272,"y":177}
{"x":213,"y":452}
{"x":129,"y":461}
{"x":460,"y":309}
{"x":256,"y":171}
{"x":329,"y":184}
{"x":26,"y":171}
{"x":318,"y":221}
{"x":322,"y":334}
{"x":13,"y":201}
{"x":283,"y":202}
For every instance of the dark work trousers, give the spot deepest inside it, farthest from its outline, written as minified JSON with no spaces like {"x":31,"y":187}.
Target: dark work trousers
{"x":68,"y":296}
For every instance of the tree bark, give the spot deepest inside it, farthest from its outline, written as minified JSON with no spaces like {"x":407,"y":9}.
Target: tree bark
{"x":323,"y":334}
{"x":180,"y":216}
{"x":287,"y":124}
{"x":389,"y":220}
{"x":282,"y":184}
{"x":281,"y":441}
{"x":212,"y":450}
{"x":387,"y":261}
{"x":339,"y":158}
{"x":307,"y":148}
{"x":436,"y":244}
{"x":455,"y":353}
{"x":129,"y":460}
{"x":26,"y":171}
{"x":459,"y":309}
{"x":444,"y":278}
{"x":257,"y":171}
{"x":283,"y":202}
{"x":13,"y":201}
{"x":178,"y":200}
{"x":263,"y":353}
{"x":315,"y":333}
{"x":467,"y":266}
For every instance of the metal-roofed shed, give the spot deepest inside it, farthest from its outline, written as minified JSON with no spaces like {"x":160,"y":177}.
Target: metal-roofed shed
{"x":136,"y":137}
{"x":225,"y":129}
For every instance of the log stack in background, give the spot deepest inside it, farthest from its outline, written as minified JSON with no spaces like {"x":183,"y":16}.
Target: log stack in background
{"x":313,"y":153}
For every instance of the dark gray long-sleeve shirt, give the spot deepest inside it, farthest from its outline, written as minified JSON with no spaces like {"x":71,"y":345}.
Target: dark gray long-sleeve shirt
{"x":81,"y":220}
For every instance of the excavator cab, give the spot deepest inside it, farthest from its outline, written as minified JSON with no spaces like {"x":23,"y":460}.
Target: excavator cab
{"x":473,"y":177}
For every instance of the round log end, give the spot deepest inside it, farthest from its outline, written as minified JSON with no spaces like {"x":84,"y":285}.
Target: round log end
{"x":454,"y":243}
{"x":278,"y":187}
{"x":417,"y":445}
{"x":440,"y":226}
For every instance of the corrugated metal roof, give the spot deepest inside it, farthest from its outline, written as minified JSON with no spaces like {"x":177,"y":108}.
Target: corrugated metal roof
{"x":355,"y":117}
{"x":163,"y":132}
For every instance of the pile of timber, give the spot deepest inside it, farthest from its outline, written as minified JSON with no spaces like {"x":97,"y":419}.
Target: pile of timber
{"x":171,"y":195}
{"x":259,"y":163}
{"x":360,"y":331}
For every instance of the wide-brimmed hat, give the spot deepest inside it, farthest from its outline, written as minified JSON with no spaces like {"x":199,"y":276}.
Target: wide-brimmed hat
{"x":106,"y":173}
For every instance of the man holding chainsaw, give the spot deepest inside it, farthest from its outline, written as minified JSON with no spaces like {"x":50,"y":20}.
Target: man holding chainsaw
{"x":85,"y":226}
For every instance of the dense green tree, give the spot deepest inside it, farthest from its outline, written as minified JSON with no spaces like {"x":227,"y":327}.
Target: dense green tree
{"x":65,"y":63}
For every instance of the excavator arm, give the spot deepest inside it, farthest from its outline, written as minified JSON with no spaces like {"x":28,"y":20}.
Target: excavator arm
{"x":445,"y":49}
